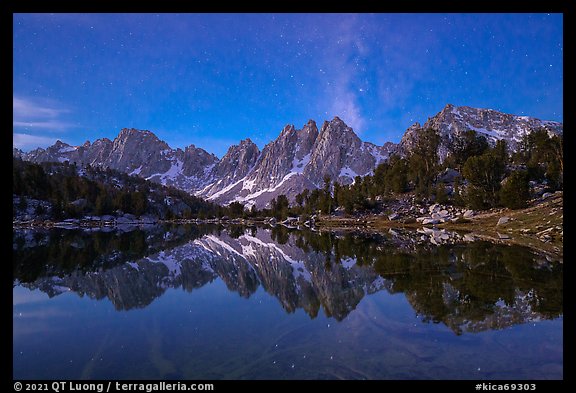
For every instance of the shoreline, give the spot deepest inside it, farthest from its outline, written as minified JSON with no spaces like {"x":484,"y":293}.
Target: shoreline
{"x":538,"y":226}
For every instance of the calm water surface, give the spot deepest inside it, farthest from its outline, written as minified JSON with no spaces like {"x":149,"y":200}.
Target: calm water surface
{"x":200,"y":302}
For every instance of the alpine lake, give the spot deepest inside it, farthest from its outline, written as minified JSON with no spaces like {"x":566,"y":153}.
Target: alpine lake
{"x":213,"y":302}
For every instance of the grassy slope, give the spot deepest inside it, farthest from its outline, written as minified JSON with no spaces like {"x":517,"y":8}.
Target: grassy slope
{"x":525,"y":227}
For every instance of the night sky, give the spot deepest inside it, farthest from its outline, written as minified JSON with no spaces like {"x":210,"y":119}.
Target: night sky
{"x":214,"y":79}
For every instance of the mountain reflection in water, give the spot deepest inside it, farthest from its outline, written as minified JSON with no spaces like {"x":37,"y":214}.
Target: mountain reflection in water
{"x":468,"y":286}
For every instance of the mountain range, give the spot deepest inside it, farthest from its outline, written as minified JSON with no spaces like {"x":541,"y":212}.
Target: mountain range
{"x":297,"y":159}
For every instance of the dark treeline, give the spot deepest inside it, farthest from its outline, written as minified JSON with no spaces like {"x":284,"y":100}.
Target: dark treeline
{"x":76,"y":192}
{"x":59,"y":252}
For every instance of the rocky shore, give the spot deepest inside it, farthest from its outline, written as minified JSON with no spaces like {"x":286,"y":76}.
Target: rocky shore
{"x":539,"y":226}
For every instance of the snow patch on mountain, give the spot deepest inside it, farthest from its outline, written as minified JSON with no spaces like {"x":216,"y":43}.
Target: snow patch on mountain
{"x":265,"y":190}
{"x":224,"y":190}
{"x":347,"y":172}
{"x":221,"y":243}
{"x":67,"y":149}
{"x":167,"y":260}
{"x":298,"y":165}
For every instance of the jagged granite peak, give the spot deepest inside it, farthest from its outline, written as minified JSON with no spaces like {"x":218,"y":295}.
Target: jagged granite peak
{"x":452,"y":121}
{"x":142,"y":153}
{"x":340,"y":154}
{"x":139,"y":153}
{"x":492,"y":123}
{"x":335,"y":142}
{"x":17,"y":153}
{"x":58,"y":152}
{"x":279,"y":157}
{"x":299,"y":159}
{"x":238,"y":160}
{"x":98,"y":152}
{"x":234,"y":165}
{"x":278,"y":169}
{"x":139,"y":150}
{"x":306,"y":138}
{"x":411,"y":132}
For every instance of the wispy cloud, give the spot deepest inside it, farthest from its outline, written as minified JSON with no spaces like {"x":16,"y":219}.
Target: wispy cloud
{"x":342,"y":63}
{"x":34,"y":114}
{"x":34,"y":121}
{"x":345,"y":105}
{"x":53,"y":125}
{"x":27,"y":141}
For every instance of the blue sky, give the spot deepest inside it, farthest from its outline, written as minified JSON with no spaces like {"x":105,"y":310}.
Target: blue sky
{"x":214,"y":79}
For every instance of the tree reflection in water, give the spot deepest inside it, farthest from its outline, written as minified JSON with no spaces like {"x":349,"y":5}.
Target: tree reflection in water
{"x":468,"y":286}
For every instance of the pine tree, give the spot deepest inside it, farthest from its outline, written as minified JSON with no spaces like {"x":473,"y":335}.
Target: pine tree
{"x":279,"y":207}
{"x":467,"y":145}
{"x":423,"y":160}
{"x":515,"y":192}
{"x":484,"y":174}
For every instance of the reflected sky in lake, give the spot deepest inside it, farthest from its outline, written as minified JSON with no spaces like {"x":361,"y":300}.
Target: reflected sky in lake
{"x":199,"y":302}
